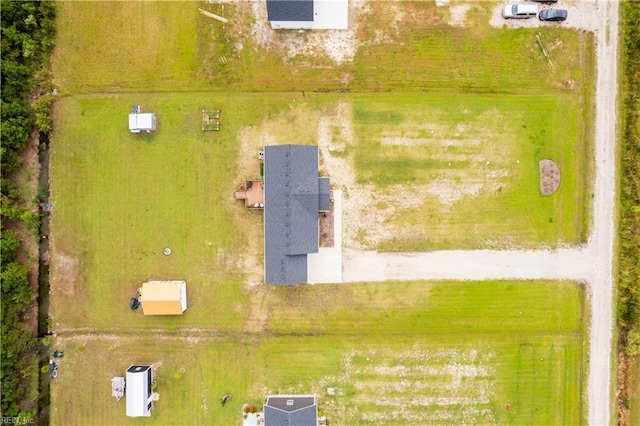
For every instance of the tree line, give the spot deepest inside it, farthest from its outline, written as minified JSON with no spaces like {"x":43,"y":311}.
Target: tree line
{"x":629,"y":233}
{"x":27,"y":29}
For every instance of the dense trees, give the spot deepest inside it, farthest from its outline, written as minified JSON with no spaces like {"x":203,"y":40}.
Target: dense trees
{"x":27,"y":38}
{"x":629,"y":257}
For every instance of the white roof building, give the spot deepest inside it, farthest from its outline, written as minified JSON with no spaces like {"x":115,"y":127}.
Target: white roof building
{"x":142,"y":122}
{"x":139,"y":392}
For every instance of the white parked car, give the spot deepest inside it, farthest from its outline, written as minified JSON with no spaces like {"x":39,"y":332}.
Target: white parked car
{"x":520,"y":11}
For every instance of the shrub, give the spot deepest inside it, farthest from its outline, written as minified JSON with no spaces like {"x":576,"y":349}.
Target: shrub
{"x":633,"y":342}
{"x":250,"y":408}
{"x":42,"y":109}
{"x":179,"y":373}
{"x":8,"y":246}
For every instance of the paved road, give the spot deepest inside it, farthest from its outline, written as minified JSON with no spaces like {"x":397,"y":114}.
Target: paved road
{"x":592,"y":263}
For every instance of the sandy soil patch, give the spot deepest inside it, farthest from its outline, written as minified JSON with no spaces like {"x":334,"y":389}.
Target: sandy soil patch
{"x":414,"y":385}
{"x":249,"y":225}
{"x":409,"y":141}
{"x":458,"y":15}
{"x":364,"y":229}
{"x":65,"y":274}
{"x":337,"y":45}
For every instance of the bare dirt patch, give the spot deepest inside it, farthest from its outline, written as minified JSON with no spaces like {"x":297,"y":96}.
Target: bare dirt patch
{"x":370,"y":213}
{"x":622,"y":394}
{"x":549,"y":176}
{"x":458,"y":15}
{"x":65,"y":274}
{"x":249,"y":225}
{"x":327,"y":237}
{"x":337,"y":45}
{"x":370,"y":22}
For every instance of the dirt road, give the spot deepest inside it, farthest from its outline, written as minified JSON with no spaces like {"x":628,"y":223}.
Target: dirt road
{"x":601,"y":242}
{"x":592,"y":263}
{"x":573,"y":264}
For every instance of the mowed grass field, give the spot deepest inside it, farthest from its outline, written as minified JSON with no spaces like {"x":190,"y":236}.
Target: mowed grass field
{"x":112,"y":46}
{"x":131,"y":46}
{"x":470,"y":163}
{"x":450,"y":353}
{"x":419,"y":94}
{"x":121,"y":198}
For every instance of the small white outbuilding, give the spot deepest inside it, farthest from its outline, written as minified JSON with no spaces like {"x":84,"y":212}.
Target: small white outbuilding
{"x":139,"y":391}
{"x":142,"y":122}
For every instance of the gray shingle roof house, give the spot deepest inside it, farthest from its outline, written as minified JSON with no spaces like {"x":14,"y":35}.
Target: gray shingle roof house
{"x":290,"y":10}
{"x":308,"y":14}
{"x":293,"y":197}
{"x":291,"y":410}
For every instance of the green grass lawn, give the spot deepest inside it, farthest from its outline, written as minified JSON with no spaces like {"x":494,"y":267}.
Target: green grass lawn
{"x":447,"y":308}
{"x":113,"y":46}
{"x":394,"y":353}
{"x":505,"y":344}
{"x":117,"y":46}
{"x":121,"y":198}
{"x":476,"y":156}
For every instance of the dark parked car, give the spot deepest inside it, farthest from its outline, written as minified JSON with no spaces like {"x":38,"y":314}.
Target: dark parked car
{"x":555,"y":15}
{"x":545,"y":1}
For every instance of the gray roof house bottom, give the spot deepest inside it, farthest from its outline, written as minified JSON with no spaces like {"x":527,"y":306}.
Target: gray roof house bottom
{"x":292,"y":199}
{"x":292,"y":410}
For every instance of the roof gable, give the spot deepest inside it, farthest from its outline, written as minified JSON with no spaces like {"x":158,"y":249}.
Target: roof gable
{"x":324,"y":194}
{"x":299,"y":410}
